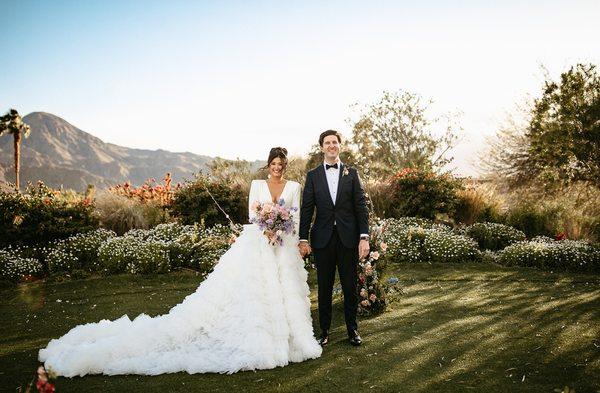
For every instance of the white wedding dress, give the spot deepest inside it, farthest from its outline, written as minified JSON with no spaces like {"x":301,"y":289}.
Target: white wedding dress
{"x":252,"y":312}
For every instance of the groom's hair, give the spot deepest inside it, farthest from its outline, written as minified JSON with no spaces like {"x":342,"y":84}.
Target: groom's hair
{"x":327,"y":133}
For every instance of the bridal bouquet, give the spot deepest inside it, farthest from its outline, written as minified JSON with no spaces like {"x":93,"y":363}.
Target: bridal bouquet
{"x":274,"y":219}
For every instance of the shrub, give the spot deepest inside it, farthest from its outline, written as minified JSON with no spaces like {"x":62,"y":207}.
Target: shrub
{"x":476,"y":203}
{"x":121,"y":214}
{"x":568,"y":255}
{"x":533,"y":219}
{"x":77,"y":252}
{"x":446,"y":247}
{"x":492,"y":236}
{"x":193,"y":204}
{"x":41,"y":215}
{"x":434,"y":243}
{"x":422,"y":193}
{"x":128,"y":254}
{"x":14,"y":267}
{"x":378,"y":193}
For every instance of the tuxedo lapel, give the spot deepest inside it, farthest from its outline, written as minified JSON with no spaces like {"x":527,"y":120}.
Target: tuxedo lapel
{"x":324,"y":184}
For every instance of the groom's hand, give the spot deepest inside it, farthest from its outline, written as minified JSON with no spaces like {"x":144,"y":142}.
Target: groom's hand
{"x":363,"y":249}
{"x":304,"y":248}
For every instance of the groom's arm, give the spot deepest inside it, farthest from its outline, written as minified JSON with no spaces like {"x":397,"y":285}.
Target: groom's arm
{"x":307,"y":208}
{"x":360,"y":206}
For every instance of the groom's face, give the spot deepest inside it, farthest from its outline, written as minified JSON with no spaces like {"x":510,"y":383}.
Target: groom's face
{"x":331,"y":147}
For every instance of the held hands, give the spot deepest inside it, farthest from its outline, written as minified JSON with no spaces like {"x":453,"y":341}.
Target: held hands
{"x":363,"y":249}
{"x":304,"y":248}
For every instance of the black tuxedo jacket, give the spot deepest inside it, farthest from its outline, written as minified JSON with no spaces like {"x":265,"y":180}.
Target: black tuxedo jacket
{"x":349,"y":212}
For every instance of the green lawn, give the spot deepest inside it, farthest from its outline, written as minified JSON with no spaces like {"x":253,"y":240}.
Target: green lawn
{"x":456,"y":328}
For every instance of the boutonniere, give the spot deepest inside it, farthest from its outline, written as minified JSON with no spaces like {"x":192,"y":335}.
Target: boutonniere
{"x":345,"y":173}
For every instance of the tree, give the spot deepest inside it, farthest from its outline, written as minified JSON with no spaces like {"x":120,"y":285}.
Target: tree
{"x":564,"y":133}
{"x":505,"y":158}
{"x":398,"y":132}
{"x":12,"y":123}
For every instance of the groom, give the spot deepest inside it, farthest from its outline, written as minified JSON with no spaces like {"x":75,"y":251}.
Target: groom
{"x":339,"y":236}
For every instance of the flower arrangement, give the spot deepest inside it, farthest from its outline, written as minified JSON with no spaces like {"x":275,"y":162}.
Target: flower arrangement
{"x":274,"y":219}
{"x":371,"y":293}
{"x":149,"y":192}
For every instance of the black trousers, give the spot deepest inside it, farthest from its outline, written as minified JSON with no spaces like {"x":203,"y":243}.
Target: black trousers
{"x":335,"y":254}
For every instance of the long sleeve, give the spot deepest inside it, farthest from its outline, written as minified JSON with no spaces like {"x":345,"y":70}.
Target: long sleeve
{"x":308,"y":206}
{"x":296,"y":204}
{"x":360,"y":206}
{"x":253,"y":197}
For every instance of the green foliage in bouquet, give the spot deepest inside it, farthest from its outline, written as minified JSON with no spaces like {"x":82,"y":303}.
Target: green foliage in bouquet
{"x":492,"y":236}
{"x":193,"y":203}
{"x":41,"y":215}
{"x":422,"y":193}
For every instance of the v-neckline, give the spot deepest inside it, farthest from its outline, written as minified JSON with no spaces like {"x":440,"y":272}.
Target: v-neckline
{"x":282,"y":190}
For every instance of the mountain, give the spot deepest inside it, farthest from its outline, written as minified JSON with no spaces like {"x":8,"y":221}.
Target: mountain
{"x":61,"y":154}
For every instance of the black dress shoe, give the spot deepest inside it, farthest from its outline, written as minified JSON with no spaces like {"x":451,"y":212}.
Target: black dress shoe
{"x":324,"y":340}
{"x":354,"y":338}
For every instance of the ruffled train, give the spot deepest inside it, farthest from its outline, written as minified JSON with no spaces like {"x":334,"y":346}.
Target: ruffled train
{"x":252,"y":312}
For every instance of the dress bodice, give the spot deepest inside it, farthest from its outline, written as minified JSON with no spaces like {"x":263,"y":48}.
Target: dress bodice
{"x":259,"y":192}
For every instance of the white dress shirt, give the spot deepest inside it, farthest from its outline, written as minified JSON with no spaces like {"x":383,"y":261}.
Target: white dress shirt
{"x":333,"y":177}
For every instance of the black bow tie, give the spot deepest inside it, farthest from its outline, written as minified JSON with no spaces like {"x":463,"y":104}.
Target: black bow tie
{"x":327,"y":166}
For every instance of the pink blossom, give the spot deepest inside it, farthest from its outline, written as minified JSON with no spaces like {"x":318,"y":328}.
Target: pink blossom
{"x":383,"y":246}
{"x":365,"y":303}
{"x":363,"y":293}
{"x":255,"y":205}
{"x":372,"y":297}
{"x":374,"y":255}
{"x":267,"y":208}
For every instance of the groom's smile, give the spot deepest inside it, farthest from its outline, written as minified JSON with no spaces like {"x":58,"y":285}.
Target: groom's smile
{"x":331,"y":148}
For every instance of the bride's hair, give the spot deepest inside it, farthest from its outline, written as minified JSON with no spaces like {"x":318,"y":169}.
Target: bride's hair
{"x":277,"y":152}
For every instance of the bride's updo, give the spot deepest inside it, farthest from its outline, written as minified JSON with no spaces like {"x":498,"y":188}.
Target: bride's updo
{"x":278,"y":152}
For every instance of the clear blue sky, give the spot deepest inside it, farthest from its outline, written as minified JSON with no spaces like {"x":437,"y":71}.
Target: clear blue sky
{"x":235,"y":78}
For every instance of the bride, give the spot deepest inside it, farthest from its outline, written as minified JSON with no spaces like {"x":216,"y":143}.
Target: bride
{"x":252,"y":312}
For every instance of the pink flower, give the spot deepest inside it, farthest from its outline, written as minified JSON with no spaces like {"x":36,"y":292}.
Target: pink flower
{"x":383,"y":246}
{"x":363,"y":293}
{"x":255,"y":206}
{"x":372,"y":297}
{"x":374,"y":255}
{"x":365,"y":303}
{"x":267,"y":208}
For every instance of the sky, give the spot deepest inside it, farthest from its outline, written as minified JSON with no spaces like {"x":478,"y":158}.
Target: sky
{"x":234,"y":78}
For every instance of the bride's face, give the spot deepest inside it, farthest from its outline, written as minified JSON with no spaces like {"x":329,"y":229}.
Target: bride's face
{"x":276,"y":168}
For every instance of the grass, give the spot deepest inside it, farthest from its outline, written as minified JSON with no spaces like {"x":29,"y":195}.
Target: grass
{"x":456,"y":328}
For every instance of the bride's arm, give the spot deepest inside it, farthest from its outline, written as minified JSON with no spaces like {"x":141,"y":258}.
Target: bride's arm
{"x":253,"y":197}
{"x":296,"y":204}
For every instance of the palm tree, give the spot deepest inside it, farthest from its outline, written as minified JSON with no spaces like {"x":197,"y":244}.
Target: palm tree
{"x":12,"y":123}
